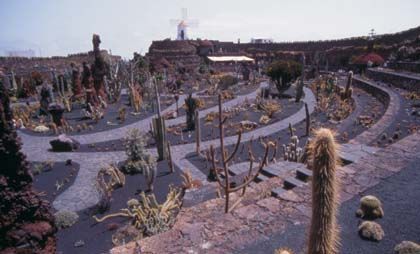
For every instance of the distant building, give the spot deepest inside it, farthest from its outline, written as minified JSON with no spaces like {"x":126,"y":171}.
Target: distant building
{"x":261,"y":40}
{"x":21,"y":53}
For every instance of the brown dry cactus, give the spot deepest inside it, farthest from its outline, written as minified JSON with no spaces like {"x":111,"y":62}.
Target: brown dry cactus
{"x":323,"y":238}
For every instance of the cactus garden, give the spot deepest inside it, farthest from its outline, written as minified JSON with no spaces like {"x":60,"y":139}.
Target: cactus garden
{"x":208,"y":146}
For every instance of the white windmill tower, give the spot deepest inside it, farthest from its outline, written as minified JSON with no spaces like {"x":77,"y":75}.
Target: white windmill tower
{"x":182,"y":25}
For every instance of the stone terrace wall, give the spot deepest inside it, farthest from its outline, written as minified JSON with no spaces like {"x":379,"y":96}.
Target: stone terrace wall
{"x":405,"y":66}
{"x":400,"y":80}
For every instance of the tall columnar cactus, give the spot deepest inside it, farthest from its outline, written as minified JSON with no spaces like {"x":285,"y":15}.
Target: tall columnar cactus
{"x":300,"y":84}
{"x":323,"y":238}
{"x":191,"y":104}
{"x":348,"y":91}
{"x":159,"y":127}
{"x":308,"y":120}
{"x":197,"y":132}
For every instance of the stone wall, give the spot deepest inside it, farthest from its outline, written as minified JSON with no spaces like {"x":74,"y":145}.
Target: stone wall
{"x":400,"y":80}
{"x":405,"y":66}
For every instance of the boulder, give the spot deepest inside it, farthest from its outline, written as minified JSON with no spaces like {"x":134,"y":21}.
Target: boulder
{"x":64,"y":144}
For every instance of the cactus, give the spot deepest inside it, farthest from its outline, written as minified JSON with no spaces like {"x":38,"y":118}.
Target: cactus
{"x":65,"y":219}
{"x":349,"y":82}
{"x":299,"y":90}
{"x":197,"y":132}
{"x":323,"y":238}
{"x":371,"y":230}
{"x":149,"y":216}
{"x":292,"y":152}
{"x":407,"y":247}
{"x":226,"y":158}
{"x":308,"y":120}
{"x":370,"y":208}
{"x":139,"y":160}
{"x":191,"y":104}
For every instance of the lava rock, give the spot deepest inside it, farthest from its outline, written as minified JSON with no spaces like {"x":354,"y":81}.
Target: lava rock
{"x":64,"y":144}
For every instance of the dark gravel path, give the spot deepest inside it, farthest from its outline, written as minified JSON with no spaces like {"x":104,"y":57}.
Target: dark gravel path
{"x":400,"y":197}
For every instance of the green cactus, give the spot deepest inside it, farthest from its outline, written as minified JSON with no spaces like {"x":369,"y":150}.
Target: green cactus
{"x":65,"y":219}
{"x":323,"y":238}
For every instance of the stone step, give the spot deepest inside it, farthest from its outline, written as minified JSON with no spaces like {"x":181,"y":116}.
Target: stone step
{"x":273,"y":170}
{"x":291,"y":182}
{"x":239,"y":168}
{"x":262,"y":177}
{"x":277,"y":192}
{"x":304,"y":174}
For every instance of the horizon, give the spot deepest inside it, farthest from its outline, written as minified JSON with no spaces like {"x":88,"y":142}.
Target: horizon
{"x":60,"y":28}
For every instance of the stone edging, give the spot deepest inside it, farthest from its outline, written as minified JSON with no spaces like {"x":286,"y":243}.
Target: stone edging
{"x":390,"y":99}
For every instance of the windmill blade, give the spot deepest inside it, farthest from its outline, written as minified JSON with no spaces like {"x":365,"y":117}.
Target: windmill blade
{"x":175,"y":22}
{"x":184,"y":13}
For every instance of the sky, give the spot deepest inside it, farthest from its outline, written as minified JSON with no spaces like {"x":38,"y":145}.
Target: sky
{"x":61,"y":27}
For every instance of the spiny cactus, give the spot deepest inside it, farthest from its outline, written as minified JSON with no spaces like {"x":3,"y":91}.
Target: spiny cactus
{"x":323,"y":238}
{"x":348,"y":91}
{"x":139,"y":160}
{"x":148,"y":215}
{"x":407,"y":247}
{"x":292,"y":152}
{"x":371,"y":230}
{"x":65,"y":219}
{"x":283,"y":251}
{"x":370,"y":208}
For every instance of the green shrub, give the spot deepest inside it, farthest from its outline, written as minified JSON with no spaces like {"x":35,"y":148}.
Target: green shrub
{"x":227,"y":81}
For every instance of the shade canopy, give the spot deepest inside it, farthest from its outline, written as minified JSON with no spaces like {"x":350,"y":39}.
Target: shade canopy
{"x":230,"y":59}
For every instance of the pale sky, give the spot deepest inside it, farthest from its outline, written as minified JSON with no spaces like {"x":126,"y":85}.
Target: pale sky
{"x":60,"y":27}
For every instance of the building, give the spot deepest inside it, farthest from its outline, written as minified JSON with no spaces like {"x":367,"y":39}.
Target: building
{"x":261,"y":40}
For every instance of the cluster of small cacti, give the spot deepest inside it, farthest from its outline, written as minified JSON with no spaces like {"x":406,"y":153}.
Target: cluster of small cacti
{"x":147,"y":215}
{"x":65,"y":219}
{"x":115,"y":178}
{"x":370,"y":208}
{"x":292,"y":151}
{"x":139,"y":160}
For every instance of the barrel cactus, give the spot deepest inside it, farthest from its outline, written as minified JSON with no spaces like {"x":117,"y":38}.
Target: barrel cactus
{"x":371,"y":230}
{"x":370,"y":208}
{"x":407,"y":247}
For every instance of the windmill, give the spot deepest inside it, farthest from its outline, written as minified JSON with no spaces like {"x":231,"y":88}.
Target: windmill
{"x":182,"y":25}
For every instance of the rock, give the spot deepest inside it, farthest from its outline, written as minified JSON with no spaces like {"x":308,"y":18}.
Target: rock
{"x":64,"y":144}
{"x":372,"y":231}
{"x":79,"y":243}
{"x":41,"y":128}
{"x":407,"y":247}
{"x":196,"y":196}
{"x":68,"y":162}
{"x":125,"y":234}
{"x":370,"y":208}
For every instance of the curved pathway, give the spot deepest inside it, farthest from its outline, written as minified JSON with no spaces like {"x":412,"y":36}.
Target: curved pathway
{"x":83,"y":194}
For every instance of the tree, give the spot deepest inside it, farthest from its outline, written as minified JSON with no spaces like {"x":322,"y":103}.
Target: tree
{"x":282,"y":73}
{"x":25,"y":220}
